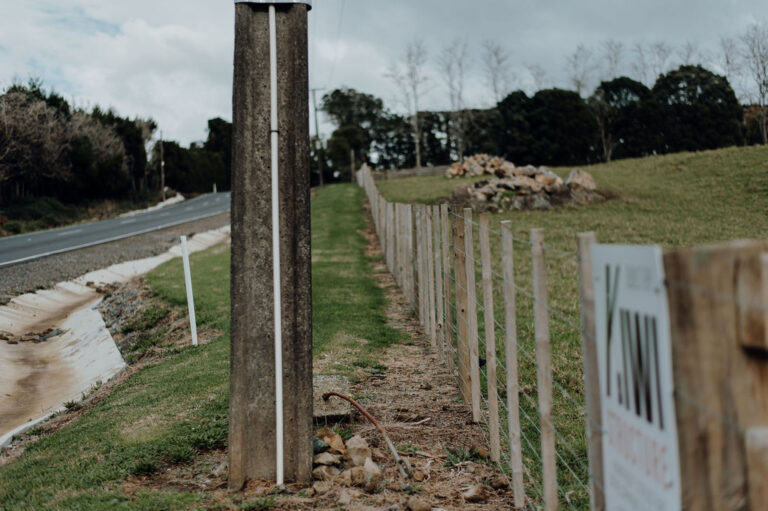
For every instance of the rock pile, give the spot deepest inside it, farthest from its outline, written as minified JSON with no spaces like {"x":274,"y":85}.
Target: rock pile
{"x":349,"y":463}
{"x":479,"y":165}
{"x":527,"y":188}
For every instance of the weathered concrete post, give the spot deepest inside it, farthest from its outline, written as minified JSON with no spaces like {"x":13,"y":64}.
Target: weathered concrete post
{"x":252,"y":417}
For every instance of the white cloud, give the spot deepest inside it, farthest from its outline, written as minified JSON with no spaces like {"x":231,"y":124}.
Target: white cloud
{"x":172,"y":60}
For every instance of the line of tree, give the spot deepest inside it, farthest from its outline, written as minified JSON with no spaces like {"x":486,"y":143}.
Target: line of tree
{"x":649,"y":98}
{"x":197,"y":168}
{"x":48,"y":148}
{"x":687,"y":109}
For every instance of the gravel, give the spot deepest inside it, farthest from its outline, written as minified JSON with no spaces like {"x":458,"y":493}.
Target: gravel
{"x":47,"y":272}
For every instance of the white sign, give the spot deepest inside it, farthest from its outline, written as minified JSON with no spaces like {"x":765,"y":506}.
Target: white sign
{"x":634,"y":355}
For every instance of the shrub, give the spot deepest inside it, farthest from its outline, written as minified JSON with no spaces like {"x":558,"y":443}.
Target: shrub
{"x":13,"y":227}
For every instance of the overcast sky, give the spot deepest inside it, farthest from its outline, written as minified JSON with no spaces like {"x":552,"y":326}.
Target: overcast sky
{"x":171,"y":60}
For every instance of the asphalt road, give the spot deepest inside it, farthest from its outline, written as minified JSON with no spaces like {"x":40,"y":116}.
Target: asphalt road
{"x":26,"y":247}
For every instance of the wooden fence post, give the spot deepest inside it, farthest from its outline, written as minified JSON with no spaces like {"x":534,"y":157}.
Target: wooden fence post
{"x":510,"y":353}
{"x":544,"y":370}
{"x":421,"y":236}
{"x":490,"y":339}
{"x":718,"y":327}
{"x":381,"y":227}
{"x":591,"y":381}
{"x":430,"y":280}
{"x":447,"y":303}
{"x":440,"y":321}
{"x":417,"y":262}
{"x":462,"y":344}
{"x":397,"y":246}
{"x":423,"y":275}
{"x":472,"y":340}
{"x":410,"y":260}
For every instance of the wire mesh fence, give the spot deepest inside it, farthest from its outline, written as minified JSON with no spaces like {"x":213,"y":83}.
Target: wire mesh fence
{"x":450,"y":265}
{"x":511,"y":318}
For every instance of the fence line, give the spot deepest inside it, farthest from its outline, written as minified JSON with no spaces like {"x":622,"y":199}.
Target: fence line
{"x":550,"y":446}
{"x":431,"y":251}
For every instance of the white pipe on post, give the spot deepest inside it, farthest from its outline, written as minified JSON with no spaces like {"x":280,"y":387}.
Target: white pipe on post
{"x":276,"y":248}
{"x":190,"y":296}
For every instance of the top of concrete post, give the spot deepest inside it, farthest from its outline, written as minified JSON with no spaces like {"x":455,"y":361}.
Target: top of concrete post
{"x":275,"y":2}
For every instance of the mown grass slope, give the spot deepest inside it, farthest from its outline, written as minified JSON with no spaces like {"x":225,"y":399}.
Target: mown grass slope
{"x":675,"y":200}
{"x":177,"y":408}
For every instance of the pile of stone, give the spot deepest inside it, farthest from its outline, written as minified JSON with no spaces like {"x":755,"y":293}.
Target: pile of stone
{"x":480,"y":165}
{"x":349,"y":463}
{"x":527,"y":188}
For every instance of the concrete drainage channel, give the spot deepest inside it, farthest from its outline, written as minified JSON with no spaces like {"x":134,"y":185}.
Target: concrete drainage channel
{"x":58,"y":346}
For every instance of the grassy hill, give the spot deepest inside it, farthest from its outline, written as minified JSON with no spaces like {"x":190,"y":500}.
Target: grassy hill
{"x":673,"y":200}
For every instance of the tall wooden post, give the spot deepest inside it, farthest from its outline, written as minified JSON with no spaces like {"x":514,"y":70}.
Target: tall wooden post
{"x":462,"y":344}
{"x":719,"y":334}
{"x":472,"y":340}
{"x":510,"y":355}
{"x":490,"y":339}
{"x":448,"y":304}
{"x":591,"y":378}
{"x":544,"y":370}
{"x":252,"y":407}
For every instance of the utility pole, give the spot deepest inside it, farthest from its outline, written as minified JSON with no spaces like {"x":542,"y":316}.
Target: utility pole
{"x":270,"y":407}
{"x":317,"y":135}
{"x":162,"y":167}
{"x":351,"y":165}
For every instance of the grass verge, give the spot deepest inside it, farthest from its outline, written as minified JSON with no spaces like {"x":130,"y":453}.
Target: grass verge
{"x":176,"y":408}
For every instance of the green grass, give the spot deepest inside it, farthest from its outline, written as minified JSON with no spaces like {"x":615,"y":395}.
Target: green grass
{"x":674,"y":200}
{"x":148,"y":318}
{"x":347,"y":305}
{"x":170,"y":412}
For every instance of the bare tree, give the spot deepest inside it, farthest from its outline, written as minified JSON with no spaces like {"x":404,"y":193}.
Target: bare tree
{"x":612,"y":54}
{"x":496,"y":66}
{"x":661,"y":53}
{"x":730,"y":62}
{"x":651,"y":61}
{"x":641,"y":67}
{"x":689,"y":54}
{"x":34,"y":141}
{"x":410,"y":78}
{"x":755,"y":55}
{"x":581,"y":69}
{"x":604,"y":116}
{"x":453,"y":64}
{"x":538,"y":75}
